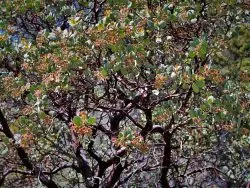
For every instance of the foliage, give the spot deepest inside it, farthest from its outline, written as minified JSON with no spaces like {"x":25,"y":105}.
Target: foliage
{"x":124,"y":93}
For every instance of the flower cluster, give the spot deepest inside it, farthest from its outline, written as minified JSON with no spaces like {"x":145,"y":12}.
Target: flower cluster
{"x":160,"y":80}
{"x":84,"y":130}
{"x":82,"y":124}
{"x":214,"y":75}
{"x":26,"y":140}
{"x":162,"y":117}
{"x":131,"y":140}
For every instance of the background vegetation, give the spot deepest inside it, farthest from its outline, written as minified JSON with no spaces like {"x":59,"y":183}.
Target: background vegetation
{"x":117,"y":93}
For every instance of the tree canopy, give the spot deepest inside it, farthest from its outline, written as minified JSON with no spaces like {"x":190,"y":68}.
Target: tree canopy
{"x":116,"y":93}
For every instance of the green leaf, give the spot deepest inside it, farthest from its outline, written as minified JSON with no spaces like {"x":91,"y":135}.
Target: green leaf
{"x":195,"y":42}
{"x":104,"y":71}
{"x":130,"y":5}
{"x":127,"y":132}
{"x":100,"y":26}
{"x":91,"y":120}
{"x":195,"y":88}
{"x":5,"y":151}
{"x":162,"y":24}
{"x":210,"y":99}
{"x":203,"y":49}
{"x":129,"y":136}
{"x":204,"y":107}
{"x":6,"y":140}
{"x":191,"y":55}
{"x":200,"y":83}
{"x":77,"y":120}
{"x":23,"y":120}
{"x":192,"y":113}
{"x":42,"y":115}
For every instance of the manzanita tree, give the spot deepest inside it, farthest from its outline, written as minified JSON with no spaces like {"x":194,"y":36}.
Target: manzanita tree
{"x":116,"y":93}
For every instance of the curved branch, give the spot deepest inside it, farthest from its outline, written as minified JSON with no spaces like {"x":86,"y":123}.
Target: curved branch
{"x":24,"y":156}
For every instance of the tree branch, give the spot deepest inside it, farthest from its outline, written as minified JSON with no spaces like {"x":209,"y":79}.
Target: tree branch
{"x":24,"y":156}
